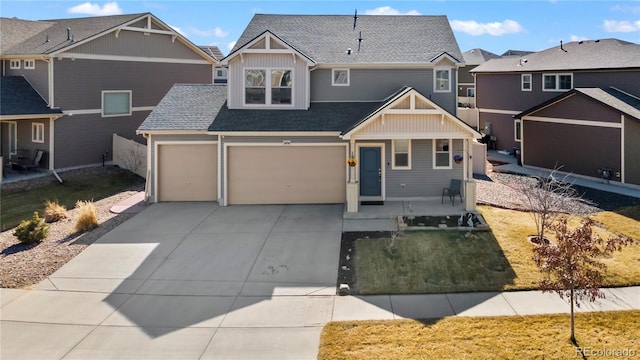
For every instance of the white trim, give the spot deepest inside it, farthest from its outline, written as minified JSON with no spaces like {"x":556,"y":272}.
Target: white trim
{"x":515,"y":130}
{"x":622,"y":167}
{"x":275,"y":133}
{"x":29,"y":117}
{"x":333,"y":77}
{"x":15,"y":64}
{"x":12,"y":141}
{"x":450,"y":151}
{"x":557,"y":77}
{"x":413,"y":136}
{"x":522,"y":88}
{"x":173,"y":132}
{"x":220,"y":198}
{"x":105,"y":92}
{"x":50,"y":79}
{"x":51,"y":143}
{"x":393,"y":155}
{"x":383,"y":192}
{"x":240,"y":144}
{"x":268,"y":88}
{"x":29,"y":64}
{"x":573,"y":122}
{"x":70,"y":55}
{"x":37,"y":132}
{"x":171,"y":142}
{"x":148,"y":30}
{"x":499,"y":111}
{"x":435,"y":78}
{"x":99,"y":111}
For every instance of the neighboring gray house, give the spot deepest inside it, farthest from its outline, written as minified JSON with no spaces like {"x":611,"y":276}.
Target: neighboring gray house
{"x":104,"y":74}
{"x":466,"y":82}
{"x":219,"y":73}
{"x":508,"y":86}
{"x":305,"y":94}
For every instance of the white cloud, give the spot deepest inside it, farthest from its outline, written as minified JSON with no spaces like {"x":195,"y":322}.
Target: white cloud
{"x":178,"y":30}
{"x":614,"y":26}
{"x":231,"y":45}
{"x":626,"y":9}
{"x":475,"y":28}
{"x":578,"y":38}
{"x":87,"y":8}
{"x":217,"y":32}
{"x":388,"y":10}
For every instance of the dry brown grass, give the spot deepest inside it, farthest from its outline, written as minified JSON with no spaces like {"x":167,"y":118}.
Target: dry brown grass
{"x":625,"y":221}
{"x":88,"y":217}
{"x":53,"y":211}
{"x":515,"y":337}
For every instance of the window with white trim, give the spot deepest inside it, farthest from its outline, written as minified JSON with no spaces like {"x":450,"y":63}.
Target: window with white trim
{"x":525,"y":83}
{"x":401,"y":159}
{"x":340,"y":77}
{"x":517,"y":130}
{"x":14,"y":64}
{"x":471,"y":92}
{"x":37,"y":132}
{"x":116,"y":103}
{"x":442,"y":154}
{"x":442,"y":78}
{"x":557,"y":82}
{"x":29,"y":64}
{"x":221,"y":73}
{"x":277,"y":90}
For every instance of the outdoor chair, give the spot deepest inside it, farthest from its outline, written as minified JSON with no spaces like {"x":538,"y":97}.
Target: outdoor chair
{"x":26,"y":166}
{"x":453,"y":190}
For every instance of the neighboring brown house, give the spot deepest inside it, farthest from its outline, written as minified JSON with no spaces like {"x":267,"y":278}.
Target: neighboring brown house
{"x":466,"y":82}
{"x":105,"y":74}
{"x":508,"y":86}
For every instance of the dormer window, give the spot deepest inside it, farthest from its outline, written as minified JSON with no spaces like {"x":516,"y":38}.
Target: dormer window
{"x":275,"y":90}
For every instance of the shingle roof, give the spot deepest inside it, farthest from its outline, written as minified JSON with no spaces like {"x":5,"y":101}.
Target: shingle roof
{"x":187,"y":107}
{"x":386,"y":39}
{"x":577,"y":55}
{"x":212,"y":51}
{"x":615,"y":98}
{"x":17,"y":97}
{"x":512,"y":52}
{"x":478,"y":56}
{"x":56,"y":32}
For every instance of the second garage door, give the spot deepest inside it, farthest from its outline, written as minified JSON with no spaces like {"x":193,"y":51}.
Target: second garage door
{"x":286,"y":174}
{"x":187,"y":172}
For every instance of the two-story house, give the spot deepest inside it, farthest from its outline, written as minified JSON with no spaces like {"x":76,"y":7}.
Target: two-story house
{"x":573,"y":106}
{"x":306,"y":93}
{"x":104,"y":75}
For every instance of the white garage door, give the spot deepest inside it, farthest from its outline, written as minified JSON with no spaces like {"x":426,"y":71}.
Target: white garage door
{"x":187,"y":172}
{"x":286,"y":174}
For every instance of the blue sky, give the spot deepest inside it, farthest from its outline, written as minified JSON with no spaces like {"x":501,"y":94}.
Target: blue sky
{"x":495,"y":26}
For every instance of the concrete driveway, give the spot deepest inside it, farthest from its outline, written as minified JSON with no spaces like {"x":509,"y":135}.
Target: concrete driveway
{"x":187,"y":281}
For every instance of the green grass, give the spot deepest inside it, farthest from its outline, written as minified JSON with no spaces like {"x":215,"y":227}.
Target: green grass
{"x":19,"y":205}
{"x":514,"y":337}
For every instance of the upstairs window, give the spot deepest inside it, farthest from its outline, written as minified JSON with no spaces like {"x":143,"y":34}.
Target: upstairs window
{"x":277,"y":90}
{"x":221,"y":73}
{"x":14,"y":64}
{"x":442,"y":154}
{"x":471,"y":92}
{"x":401,"y":154}
{"x":557,"y":82}
{"x":116,"y":103}
{"x":442,"y":80}
{"x":29,"y":64}
{"x":340,"y":77}
{"x":525,"y":82}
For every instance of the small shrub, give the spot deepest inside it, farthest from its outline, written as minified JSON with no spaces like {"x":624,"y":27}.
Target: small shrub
{"x":30,"y":231}
{"x":88,"y":218}
{"x":54,"y":212}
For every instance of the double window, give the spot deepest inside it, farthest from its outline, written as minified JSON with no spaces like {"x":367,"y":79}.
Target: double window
{"x":116,"y":103}
{"x":442,"y":154}
{"x":37,"y":132}
{"x":557,"y":82}
{"x":442,"y":81}
{"x":340,"y":77}
{"x":29,"y":64}
{"x":14,"y":64}
{"x":401,"y":149}
{"x":268,"y":87}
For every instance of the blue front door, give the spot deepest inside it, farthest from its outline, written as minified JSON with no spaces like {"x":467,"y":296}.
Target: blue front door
{"x":370,"y":172}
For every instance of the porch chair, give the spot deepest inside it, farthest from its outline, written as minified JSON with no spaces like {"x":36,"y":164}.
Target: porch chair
{"x":37,"y":159}
{"x":453,"y":190}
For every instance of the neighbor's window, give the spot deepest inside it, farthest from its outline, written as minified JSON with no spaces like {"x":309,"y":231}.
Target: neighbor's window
{"x":221,"y":73}
{"x":442,"y":154}
{"x":443,"y":80}
{"x":526,"y":82}
{"x":116,"y":103}
{"x":340,"y":77}
{"x":14,"y":64}
{"x":401,"y":154}
{"x":29,"y":64}
{"x":471,"y":92}
{"x":518,"y":130}
{"x":281,"y":87}
{"x":37,"y":132}
{"x":557,"y":82}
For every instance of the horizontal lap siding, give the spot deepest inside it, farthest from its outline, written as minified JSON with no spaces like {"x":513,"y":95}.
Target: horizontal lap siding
{"x":502,"y":127}
{"x":632,"y":150}
{"x":28,"y":147}
{"x":580,"y":107}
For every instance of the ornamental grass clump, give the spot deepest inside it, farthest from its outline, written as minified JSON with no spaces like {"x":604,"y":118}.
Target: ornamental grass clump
{"x":88,"y":218}
{"x":31,"y":231}
{"x":53,"y":211}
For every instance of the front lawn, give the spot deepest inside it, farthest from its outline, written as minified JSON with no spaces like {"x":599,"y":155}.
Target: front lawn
{"x":512,"y":337}
{"x":458,"y":261}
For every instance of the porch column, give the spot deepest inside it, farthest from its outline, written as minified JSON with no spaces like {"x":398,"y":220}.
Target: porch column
{"x":470,"y":183}
{"x":352,"y":184}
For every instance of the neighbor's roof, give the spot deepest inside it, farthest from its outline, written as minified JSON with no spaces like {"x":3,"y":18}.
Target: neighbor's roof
{"x":478,"y":56}
{"x":186,"y":107}
{"x":385,"y":39}
{"x":511,"y":52}
{"x":212,"y":51}
{"x":615,"y":98}
{"x":19,"y":98}
{"x":577,"y":55}
{"x":15,"y":31}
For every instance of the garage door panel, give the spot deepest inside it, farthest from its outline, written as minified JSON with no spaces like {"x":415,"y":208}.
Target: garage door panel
{"x":187,"y":172}
{"x":286,"y":175}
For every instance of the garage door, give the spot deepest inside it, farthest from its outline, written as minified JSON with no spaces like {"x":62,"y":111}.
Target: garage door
{"x":286,"y":174}
{"x":187,"y":172}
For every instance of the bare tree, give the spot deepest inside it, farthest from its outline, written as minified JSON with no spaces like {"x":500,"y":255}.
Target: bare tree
{"x":572,"y":265}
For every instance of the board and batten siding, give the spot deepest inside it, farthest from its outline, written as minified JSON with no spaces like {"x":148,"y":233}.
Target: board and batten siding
{"x":137,"y":44}
{"x":379,"y":84}
{"x":79,"y":83}
{"x":412,"y":124}
{"x":273,"y":61}
{"x":38,"y":77}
